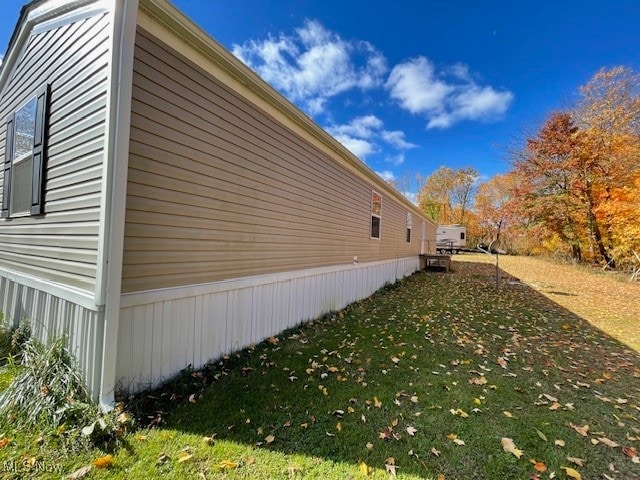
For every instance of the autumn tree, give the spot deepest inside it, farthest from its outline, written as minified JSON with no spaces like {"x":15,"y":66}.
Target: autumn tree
{"x":494,"y":204}
{"x":578,"y":172}
{"x":447,"y":194}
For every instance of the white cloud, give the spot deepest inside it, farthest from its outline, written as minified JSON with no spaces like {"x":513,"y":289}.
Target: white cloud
{"x":447,"y":97}
{"x":362,"y":135}
{"x":395,"y":160}
{"x":359,"y":147}
{"x":415,"y":86}
{"x":362,"y":127}
{"x":396,"y":138}
{"x":387,"y":175}
{"x":314,"y":64}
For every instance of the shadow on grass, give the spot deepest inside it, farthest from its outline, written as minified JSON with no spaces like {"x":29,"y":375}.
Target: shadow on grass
{"x":423,"y":354}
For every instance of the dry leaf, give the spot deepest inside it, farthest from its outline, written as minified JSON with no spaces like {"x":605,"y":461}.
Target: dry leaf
{"x":507,"y":414}
{"x":227,"y":465}
{"x":510,"y":447}
{"x":185,"y":457}
{"x":459,"y":442}
{"x":632,"y":453}
{"x":607,"y":442}
{"x":4,"y":442}
{"x":364,"y":469}
{"x":478,"y":381}
{"x":369,"y":446}
{"x":572,"y":473}
{"x":540,"y":467}
{"x":390,"y":466}
{"x":577,"y":461}
{"x":560,"y":443}
{"x":208,"y":440}
{"x":269,"y":439}
{"x":163,"y":458}
{"x":435,"y":451}
{"x":81,"y":472}
{"x":581,"y":430}
{"x":411,"y":430}
{"x":103,"y":462}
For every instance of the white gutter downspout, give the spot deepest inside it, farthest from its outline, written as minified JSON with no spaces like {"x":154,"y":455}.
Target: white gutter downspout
{"x":125,"y":13}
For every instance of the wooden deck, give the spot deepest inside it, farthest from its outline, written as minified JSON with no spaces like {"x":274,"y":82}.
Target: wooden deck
{"x":436,"y":261}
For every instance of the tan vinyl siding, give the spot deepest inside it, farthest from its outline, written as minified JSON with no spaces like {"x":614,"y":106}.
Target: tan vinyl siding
{"x":62,"y":245}
{"x":218,"y":189}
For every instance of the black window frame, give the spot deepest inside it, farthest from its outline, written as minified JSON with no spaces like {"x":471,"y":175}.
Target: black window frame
{"x":38,"y":156}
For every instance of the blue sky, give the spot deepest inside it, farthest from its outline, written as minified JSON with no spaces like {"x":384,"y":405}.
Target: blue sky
{"x":410,"y":86}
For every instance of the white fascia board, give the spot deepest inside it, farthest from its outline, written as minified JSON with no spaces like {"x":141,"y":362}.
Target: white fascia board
{"x":114,"y":187}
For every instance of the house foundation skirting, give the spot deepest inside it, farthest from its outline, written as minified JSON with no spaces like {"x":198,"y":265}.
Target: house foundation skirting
{"x":53,"y":310}
{"x":163,"y":331}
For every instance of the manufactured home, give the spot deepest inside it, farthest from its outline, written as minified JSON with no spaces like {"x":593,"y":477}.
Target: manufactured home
{"x":163,"y":206}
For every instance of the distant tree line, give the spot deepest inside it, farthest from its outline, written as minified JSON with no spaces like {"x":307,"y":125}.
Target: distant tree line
{"x":573,"y":189}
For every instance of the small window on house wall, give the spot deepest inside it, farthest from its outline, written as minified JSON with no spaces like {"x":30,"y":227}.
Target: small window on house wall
{"x":376,"y":212}
{"x":409,"y":223}
{"x":24,"y":160}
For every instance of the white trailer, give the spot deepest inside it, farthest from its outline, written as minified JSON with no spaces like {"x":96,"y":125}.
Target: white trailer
{"x":451,"y":238}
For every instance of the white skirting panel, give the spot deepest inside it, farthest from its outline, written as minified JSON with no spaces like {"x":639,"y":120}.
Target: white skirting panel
{"x":163,"y":331}
{"x":50,"y":314}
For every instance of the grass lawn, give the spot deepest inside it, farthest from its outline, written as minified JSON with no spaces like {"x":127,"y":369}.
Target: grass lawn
{"x":429,"y":378}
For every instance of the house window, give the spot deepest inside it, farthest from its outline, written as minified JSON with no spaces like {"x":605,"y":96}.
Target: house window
{"x":409,"y":223}
{"x":24,"y":160}
{"x":376,"y":211}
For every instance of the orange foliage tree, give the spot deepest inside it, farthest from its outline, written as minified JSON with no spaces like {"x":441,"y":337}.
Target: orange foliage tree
{"x":578,"y":177}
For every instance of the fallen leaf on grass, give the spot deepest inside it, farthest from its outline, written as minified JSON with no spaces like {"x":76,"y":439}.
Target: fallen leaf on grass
{"x":185,"y":457}
{"x":435,"y":451}
{"x":227,"y":465}
{"x":390,"y":466}
{"x":539,"y":466}
{"x":81,"y":472}
{"x":364,"y":469}
{"x":411,"y":430}
{"x":632,"y":453}
{"x":103,"y":462}
{"x":269,"y":439}
{"x":542,"y":436}
{"x":581,"y":430}
{"x":572,"y":473}
{"x":608,"y":442}
{"x":577,"y":461}
{"x":510,"y":447}
{"x":560,"y":443}
{"x":163,"y":458}
{"x":478,"y":381}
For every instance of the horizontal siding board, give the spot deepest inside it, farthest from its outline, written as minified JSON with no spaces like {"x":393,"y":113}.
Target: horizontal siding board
{"x":218,"y":189}
{"x":245,"y":118}
{"x":62,"y":245}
